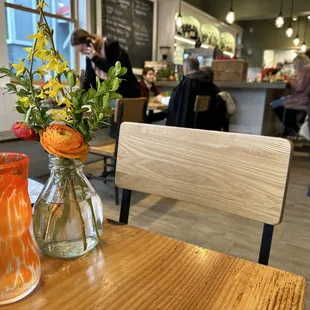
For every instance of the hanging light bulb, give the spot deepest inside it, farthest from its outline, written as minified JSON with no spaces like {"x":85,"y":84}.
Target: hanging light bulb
{"x":179,"y":21}
{"x":280,"y":19}
{"x":294,"y":18}
{"x":289,"y":31}
{"x":230,"y":17}
{"x":308,"y":16}
{"x":303,"y":48}
{"x":296,"y":40}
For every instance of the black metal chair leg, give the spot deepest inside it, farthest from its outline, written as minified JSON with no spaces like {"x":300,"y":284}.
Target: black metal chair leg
{"x":116,"y":195}
{"x":125,"y":206}
{"x":265,"y":245}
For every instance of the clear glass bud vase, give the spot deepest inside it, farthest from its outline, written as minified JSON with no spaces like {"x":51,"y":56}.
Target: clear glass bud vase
{"x":68,"y":214}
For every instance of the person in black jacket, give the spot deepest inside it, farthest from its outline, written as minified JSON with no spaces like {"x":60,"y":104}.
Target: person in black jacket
{"x":102,"y":54}
{"x":182,"y":101}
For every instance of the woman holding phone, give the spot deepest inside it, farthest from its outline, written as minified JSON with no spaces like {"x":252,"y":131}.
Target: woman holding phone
{"x":102,"y":54}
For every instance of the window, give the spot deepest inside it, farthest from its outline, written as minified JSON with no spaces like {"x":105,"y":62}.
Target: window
{"x":21,"y":19}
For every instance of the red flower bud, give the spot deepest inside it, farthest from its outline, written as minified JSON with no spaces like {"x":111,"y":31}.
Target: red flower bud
{"x":21,"y":130}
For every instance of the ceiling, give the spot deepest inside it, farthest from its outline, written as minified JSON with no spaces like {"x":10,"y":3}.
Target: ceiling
{"x":251,"y":9}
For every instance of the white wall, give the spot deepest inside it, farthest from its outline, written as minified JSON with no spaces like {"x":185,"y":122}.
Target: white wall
{"x":8,"y":114}
{"x":4,"y":57}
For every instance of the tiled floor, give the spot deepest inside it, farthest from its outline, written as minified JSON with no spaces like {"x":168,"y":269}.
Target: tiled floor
{"x":223,"y":232}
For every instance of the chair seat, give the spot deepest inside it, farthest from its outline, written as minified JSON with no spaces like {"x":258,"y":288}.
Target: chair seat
{"x":104,"y":150}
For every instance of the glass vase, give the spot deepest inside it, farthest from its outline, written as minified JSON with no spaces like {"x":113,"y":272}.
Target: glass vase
{"x":19,"y":262}
{"x":68,"y":214}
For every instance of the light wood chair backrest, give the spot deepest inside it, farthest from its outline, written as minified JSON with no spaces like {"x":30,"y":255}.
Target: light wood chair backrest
{"x":202,"y":103}
{"x":133,"y":110}
{"x":241,"y":174}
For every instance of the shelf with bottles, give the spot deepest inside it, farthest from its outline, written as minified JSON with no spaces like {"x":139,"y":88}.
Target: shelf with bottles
{"x":190,"y":28}
{"x":227,"y":42}
{"x":210,"y":35}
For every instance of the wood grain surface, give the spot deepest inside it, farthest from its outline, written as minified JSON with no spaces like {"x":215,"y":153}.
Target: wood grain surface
{"x":137,"y":269}
{"x":133,"y":109}
{"x":202,"y":103}
{"x":242,"y":174}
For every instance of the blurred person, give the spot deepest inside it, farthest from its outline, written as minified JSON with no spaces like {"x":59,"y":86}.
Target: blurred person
{"x":299,"y":95}
{"x":147,"y":84}
{"x":149,"y":90}
{"x":208,"y":72}
{"x":182,"y":100}
{"x":101,"y":54}
{"x":278,"y":68}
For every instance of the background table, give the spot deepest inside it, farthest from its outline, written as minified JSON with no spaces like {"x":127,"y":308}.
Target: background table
{"x":136,"y":269}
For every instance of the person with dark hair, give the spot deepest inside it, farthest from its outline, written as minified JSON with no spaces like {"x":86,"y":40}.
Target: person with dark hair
{"x":102,"y":54}
{"x":148,"y":90}
{"x":147,"y":84}
{"x":182,"y":101}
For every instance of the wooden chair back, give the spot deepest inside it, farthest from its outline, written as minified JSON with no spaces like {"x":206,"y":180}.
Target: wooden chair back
{"x":130,"y":110}
{"x":202,"y":103}
{"x":241,"y":174}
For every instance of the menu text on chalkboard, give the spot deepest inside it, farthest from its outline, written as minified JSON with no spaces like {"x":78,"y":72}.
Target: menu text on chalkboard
{"x":131,"y":23}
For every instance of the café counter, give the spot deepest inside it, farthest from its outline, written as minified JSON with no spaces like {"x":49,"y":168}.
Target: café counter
{"x":253,"y":114}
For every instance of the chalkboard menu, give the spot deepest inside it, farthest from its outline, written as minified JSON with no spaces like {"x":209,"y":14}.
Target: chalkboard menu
{"x":131,"y":23}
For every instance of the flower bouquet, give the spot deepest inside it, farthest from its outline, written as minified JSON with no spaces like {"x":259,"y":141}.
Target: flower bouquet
{"x":68,"y":214}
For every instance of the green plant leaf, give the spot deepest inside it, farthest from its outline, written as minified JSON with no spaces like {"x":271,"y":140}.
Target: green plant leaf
{"x":22,"y":93}
{"x":82,"y":129}
{"x":36,"y":116}
{"x":112,"y":73}
{"x":115,"y":84}
{"x":123,"y":71}
{"x":91,"y":93}
{"x":103,"y":89}
{"x":106,"y":102}
{"x":98,"y":83}
{"x":75,"y":102}
{"x":11,"y":87}
{"x":20,"y":109}
{"x":118,"y":68}
{"x":85,"y":97}
{"x":115,"y":96}
{"x":81,"y":110}
{"x":71,"y":79}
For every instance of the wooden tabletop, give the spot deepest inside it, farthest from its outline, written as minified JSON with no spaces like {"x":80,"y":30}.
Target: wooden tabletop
{"x":137,"y":269}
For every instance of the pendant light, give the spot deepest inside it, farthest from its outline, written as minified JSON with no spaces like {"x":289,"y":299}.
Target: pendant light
{"x":289,"y":30}
{"x":296,"y":40}
{"x":230,"y":17}
{"x":280,"y":19}
{"x":304,"y":45}
{"x":179,"y":22}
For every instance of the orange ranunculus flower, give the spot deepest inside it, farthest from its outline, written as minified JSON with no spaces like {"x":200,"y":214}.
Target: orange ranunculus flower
{"x":21,"y":130}
{"x":64,"y":141}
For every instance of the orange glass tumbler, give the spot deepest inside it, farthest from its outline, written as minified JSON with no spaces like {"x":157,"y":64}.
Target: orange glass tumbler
{"x":19,"y":262}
